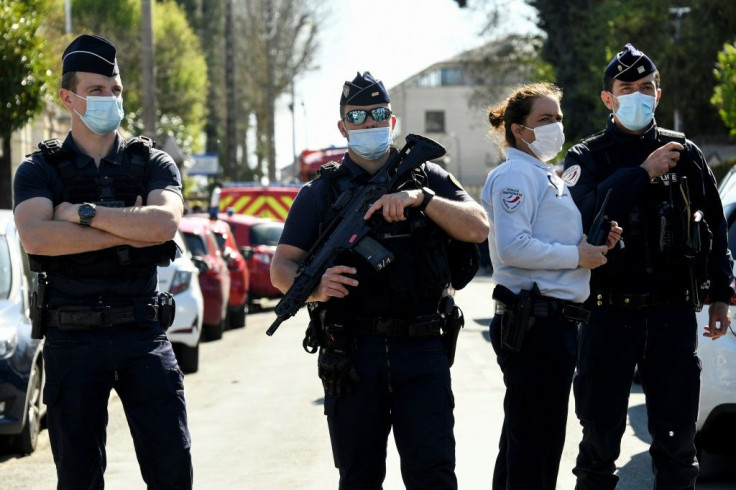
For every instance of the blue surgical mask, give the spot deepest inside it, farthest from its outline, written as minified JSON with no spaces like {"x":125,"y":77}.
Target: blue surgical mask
{"x":636,"y":110}
{"x":103,"y":114}
{"x":370,"y":144}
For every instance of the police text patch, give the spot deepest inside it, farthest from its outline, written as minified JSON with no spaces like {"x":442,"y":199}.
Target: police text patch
{"x":571,"y":175}
{"x":511,"y":199}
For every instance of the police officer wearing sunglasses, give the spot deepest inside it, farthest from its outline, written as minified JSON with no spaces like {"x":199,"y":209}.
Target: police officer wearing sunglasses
{"x":382,"y":361}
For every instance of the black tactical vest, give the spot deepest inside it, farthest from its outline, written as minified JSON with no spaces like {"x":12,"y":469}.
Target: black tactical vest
{"x":659,"y":253}
{"x":413,"y":283}
{"x":118,"y":188}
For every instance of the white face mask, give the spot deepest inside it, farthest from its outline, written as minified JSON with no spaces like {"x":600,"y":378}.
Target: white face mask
{"x":548,"y":140}
{"x":370,"y":144}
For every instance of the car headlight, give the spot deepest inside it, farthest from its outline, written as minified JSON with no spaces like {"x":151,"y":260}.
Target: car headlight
{"x":180,"y":282}
{"x":8,"y":341}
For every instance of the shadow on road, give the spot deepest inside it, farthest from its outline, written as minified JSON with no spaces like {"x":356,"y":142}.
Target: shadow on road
{"x":717,"y":469}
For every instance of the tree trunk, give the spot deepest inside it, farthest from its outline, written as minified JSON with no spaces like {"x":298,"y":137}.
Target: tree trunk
{"x":6,"y":176}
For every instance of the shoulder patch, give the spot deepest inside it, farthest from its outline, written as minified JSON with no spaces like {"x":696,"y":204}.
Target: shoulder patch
{"x":571,"y":175}
{"x":456,"y":182}
{"x":511,"y":199}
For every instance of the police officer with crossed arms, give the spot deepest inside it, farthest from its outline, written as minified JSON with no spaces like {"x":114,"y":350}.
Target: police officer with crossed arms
{"x":97,"y":215}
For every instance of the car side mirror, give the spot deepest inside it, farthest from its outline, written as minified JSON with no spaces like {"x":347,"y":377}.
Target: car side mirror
{"x":247,"y":252}
{"x":200,"y":264}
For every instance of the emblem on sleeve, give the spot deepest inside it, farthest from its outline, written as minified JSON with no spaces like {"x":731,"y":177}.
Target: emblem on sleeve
{"x":511,"y":199}
{"x":571,"y":175}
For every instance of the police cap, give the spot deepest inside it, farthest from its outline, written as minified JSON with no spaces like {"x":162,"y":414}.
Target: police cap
{"x":91,"y":54}
{"x":364,"y":90}
{"x":630,"y":65}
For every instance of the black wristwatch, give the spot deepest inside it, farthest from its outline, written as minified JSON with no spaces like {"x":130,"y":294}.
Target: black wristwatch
{"x":428,"y":195}
{"x":87,"y":212}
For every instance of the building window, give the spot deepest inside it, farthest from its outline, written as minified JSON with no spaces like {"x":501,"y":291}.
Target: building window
{"x":434,"y":122}
{"x":442,"y":77}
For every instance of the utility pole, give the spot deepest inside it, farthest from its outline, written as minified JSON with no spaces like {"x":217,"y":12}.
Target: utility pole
{"x":292,"y":107}
{"x":68,"y":16}
{"x":270,"y":91}
{"x":678,"y":12}
{"x":149,"y":78}
{"x":230,"y":118}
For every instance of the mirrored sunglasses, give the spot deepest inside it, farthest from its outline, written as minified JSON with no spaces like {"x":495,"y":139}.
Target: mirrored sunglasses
{"x":358,"y":116}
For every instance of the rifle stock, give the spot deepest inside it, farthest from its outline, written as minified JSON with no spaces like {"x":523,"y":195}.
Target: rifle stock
{"x":349,"y":231}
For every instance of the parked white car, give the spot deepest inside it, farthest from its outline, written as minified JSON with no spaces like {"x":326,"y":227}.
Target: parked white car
{"x":717,"y":414}
{"x":181,"y":278}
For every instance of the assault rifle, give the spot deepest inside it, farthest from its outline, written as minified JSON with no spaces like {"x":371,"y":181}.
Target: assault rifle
{"x":601,"y":224}
{"x":349,"y":231}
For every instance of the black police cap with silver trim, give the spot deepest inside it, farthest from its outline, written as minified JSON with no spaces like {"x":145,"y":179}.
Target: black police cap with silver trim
{"x":91,"y":54}
{"x":364,"y":90}
{"x":630,"y":65}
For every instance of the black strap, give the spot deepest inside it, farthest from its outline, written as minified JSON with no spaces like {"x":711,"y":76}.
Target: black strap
{"x":546,"y":307}
{"x":432,"y":325}
{"x":638,"y":300}
{"x":85,"y":318}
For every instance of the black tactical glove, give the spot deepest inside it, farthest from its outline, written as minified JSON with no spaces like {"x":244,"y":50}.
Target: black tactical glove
{"x":336,"y":371}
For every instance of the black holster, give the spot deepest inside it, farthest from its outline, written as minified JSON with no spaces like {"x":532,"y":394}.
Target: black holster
{"x":453,"y":321}
{"x":38,"y":305}
{"x":517,"y":317}
{"x":166,"y":310}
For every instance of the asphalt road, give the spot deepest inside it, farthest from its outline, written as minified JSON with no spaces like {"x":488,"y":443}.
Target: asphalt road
{"x":256,"y":418}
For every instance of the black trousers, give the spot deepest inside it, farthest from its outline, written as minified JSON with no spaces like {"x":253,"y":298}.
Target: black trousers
{"x":405,"y":386}
{"x":82,"y":368}
{"x":662,"y":341}
{"x":538,"y":381}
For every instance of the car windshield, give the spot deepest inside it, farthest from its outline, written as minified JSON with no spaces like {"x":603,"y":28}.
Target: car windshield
{"x":266,"y":234}
{"x":196,"y":245}
{"x":221,"y":240}
{"x":6,"y":272}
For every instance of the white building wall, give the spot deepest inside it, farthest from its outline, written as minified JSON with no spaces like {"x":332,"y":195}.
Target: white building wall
{"x":471,"y":153}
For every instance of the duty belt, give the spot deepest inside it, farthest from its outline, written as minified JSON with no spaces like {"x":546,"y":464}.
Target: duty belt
{"x":85,"y":317}
{"x":638,"y":300}
{"x":397,"y":328}
{"x":554,"y":308}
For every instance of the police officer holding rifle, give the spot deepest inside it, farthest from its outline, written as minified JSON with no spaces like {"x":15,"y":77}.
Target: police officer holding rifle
{"x":382,"y":360}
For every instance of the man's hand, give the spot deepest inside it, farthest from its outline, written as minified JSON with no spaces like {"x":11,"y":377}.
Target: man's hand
{"x":591,"y":256}
{"x":719,"y":319}
{"x":393,"y":205}
{"x":661,"y":160}
{"x":67,"y":211}
{"x":334,"y":283}
{"x":614,"y":235}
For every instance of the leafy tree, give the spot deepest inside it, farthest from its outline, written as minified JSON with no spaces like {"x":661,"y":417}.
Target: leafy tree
{"x":583,"y":35}
{"x":24,"y":78}
{"x":180,"y":69}
{"x":292,"y":40}
{"x":207,"y":18}
{"x":724,"y":96}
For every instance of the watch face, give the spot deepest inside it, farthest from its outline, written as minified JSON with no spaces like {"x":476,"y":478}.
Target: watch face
{"x":86,"y":213}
